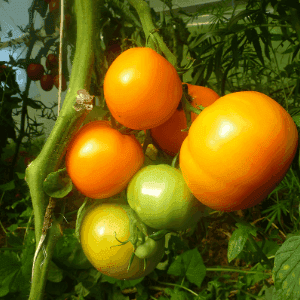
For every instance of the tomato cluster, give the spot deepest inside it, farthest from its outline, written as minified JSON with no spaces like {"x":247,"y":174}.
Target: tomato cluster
{"x":233,"y":155}
{"x":36,"y":72}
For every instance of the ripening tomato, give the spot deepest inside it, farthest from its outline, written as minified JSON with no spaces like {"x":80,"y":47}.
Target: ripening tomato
{"x":63,"y":85}
{"x":54,"y":5}
{"x":101,"y":161}
{"x":141,"y":88}
{"x":162,"y":200}
{"x":237,"y":151}
{"x":47,"y":82}
{"x":201,"y":95}
{"x":169,"y":135}
{"x":51,"y":62}
{"x":100,"y":227}
{"x":35,"y":71}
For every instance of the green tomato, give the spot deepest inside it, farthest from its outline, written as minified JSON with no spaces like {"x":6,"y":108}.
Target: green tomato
{"x":149,"y":248}
{"x":162,"y":200}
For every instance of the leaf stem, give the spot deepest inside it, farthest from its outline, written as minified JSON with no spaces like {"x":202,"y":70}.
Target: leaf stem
{"x":144,"y":13}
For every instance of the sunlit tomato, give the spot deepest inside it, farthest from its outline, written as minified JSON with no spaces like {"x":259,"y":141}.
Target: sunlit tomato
{"x":237,"y":151}
{"x":169,"y":135}
{"x":51,"y":61}
{"x":63,"y":85}
{"x":101,"y":161}
{"x":100,"y":227}
{"x":141,"y":88}
{"x":161,"y":198}
{"x":35,"y":71}
{"x":47,"y":82}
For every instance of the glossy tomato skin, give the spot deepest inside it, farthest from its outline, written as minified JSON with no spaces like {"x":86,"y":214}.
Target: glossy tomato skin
{"x":98,"y":229}
{"x":238,"y":150}
{"x":47,"y":82}
{"x":35,"y":71}
{"x":101,"y":161}
{"x":161,"y":198}
{"x":169,"y":135}
{"x":141,"y":88}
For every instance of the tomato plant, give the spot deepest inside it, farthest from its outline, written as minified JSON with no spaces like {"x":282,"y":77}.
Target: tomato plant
{"x":161,"y":198}
{"x":35,"y":71}
{"x":63,"y":80}
{"x":51,"y":62}
{"x":101,"y":161}
{"x":141,"y":88}
{"x":237,"y":151}
{"x":101,"y":226}
{"x":169,"y":135}
{"x":47,"y":82}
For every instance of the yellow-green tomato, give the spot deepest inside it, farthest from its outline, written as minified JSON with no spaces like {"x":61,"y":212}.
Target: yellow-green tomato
{"x":100,"y":227}
{"x":161,"y":198}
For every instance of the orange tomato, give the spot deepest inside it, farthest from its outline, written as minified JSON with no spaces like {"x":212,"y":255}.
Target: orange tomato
{"x":168,"y":136}
{"x":201,"y":95}
{"x":237,"y":150}
{"x":101,"y":161}
{"x":141,"y":88}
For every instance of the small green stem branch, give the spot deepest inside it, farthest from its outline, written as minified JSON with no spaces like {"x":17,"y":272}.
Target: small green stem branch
{"x":188,"y":108}
{"x":264,"y":257}
{"x":235,"y":270}
{"x":54,"y":149}
{"x":144,"y":13}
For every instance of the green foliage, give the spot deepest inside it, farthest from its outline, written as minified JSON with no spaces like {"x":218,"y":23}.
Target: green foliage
{"x":247,"y":47}
{"x":286,"y":269}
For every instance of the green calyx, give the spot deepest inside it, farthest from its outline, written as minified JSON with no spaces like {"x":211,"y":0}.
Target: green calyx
{"x":145,"y":245}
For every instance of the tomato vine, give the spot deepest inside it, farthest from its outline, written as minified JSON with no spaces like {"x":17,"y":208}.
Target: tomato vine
{"x":67,"y":124}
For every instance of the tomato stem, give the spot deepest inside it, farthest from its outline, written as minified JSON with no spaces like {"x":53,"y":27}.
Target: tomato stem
{"x":67,"y":124}
{"x":121,"y":243}
{"x":159,"y":234}
{"x":144,"y":13}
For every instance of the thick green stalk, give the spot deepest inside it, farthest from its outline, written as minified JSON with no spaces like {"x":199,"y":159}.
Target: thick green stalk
{"x":144,"y":13}
{"x":65,"y":127}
